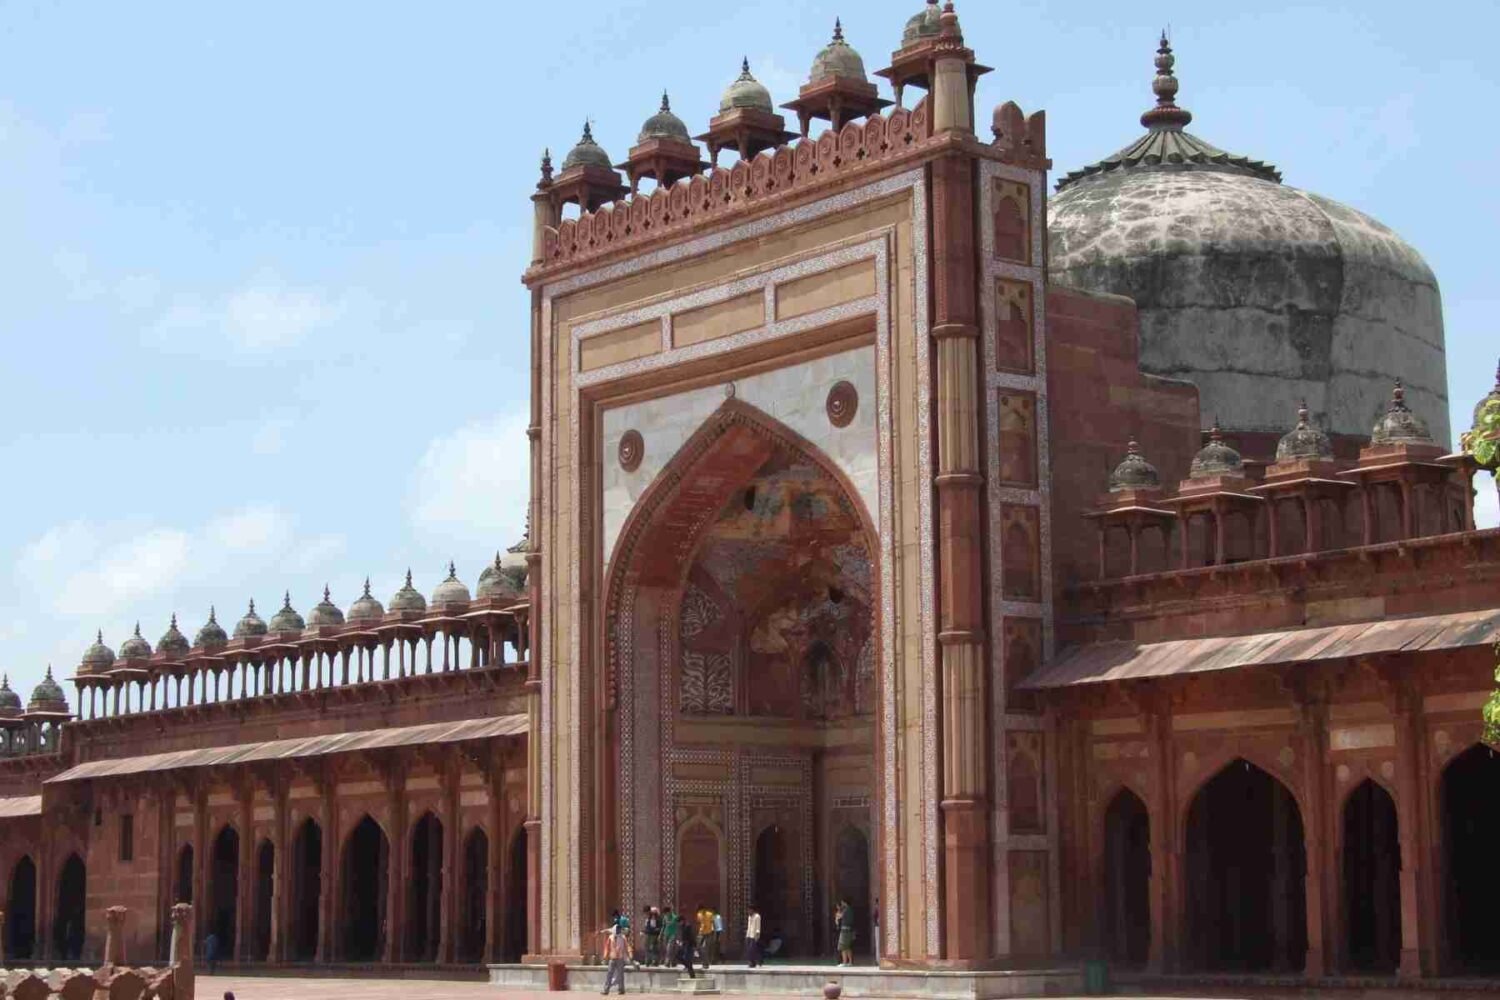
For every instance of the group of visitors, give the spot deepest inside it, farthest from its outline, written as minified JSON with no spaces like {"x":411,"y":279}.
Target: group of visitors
{"x":667,"y":938}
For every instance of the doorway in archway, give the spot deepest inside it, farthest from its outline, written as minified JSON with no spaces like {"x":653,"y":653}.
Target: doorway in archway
{"x":515,"y":900}
{"x":265,"y":882}
{"x":1372,"y":880}
{"x":183,"y":889}
{"x":1127,"y":876}
{"x":1246,"y":869}
{"x":473,"y":916}
{"x":68,"y":931}
{"x":1471,"y":831}
{"x":851,"y":855}
{"x":224,"y":889}
{"x":774,"y":886}
{"x":425,"y":894}
{"x":366,"y":861}
{"x":20,"y":911}
{"x":307,"y":890}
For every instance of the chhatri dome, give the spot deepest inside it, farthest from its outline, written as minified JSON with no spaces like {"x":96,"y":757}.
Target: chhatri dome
{"x":366,"y":608}
{"x":1303,"y":441}
{"x":136,"y":647}
{"x":664,"y":125}
{"x":924,"y":24}
{"x":212,"y":634}
{"x":1216,"y":458}
{"x":587,"y":153}
{"x":746,"y":92}
{"x":10,"y":702}
{"x":172,"y":641}
{"x":48,"y":696}
{"x":1260,"y":294}
{"x":837,"y":58}
{"x":1134,"y":472}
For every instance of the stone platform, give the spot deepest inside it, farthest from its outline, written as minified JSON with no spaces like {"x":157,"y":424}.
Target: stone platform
{"x":808,"y":980}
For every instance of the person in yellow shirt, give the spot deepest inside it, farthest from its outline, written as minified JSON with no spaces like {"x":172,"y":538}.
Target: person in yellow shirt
{"x":706,"y":949}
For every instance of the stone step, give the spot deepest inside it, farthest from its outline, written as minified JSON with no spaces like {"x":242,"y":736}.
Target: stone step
{"x":700,"y":986}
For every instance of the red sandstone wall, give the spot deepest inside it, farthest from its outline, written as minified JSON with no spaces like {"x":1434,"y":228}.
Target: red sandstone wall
{"x":1099,"y":401}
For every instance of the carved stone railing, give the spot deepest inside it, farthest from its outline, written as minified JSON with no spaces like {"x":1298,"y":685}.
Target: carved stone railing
{"x":114,"y":979}
{"x":729,"y":190}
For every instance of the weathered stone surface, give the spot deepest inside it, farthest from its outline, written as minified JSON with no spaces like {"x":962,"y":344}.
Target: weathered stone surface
{"x":1260,"y":294}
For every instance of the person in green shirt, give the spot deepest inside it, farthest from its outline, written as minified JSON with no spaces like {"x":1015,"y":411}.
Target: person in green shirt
{"x":669,"y":933}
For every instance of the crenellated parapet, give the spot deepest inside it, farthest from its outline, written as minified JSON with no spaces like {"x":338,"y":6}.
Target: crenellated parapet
{"x":804,"y":165}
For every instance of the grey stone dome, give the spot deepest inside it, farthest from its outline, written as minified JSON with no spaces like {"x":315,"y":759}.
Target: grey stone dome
{"x":451,"y":591}
{"x":212,"y":634}
{"x":923,"y":25}
{"x":746,"y":92}
{"x":1399,"y":425}
{"x":499,"y":582}
{"x":664,"y":125}
{"x":838,"y":58}
{"x":10,"y":702}
{"x":250,"y":626}
{"x":1216,"y":458}
{"x":287,"y":619}
{"x":98,"y":658}
{"x":408,"y":598}
{"x":48,"y":696}
{"x":587,"y":152}
{"x":325,"y":613}
{"x":1260,"y":294}
{"x":172,"y":642}
{"x":1303,"y":441}
{"x":365,"y":607}
{"x":1134,"y":472}
{"x":135,"y":647}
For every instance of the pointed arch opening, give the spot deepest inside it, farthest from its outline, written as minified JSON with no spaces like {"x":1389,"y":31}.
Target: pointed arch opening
{"x":1470,"y":802}
{"x":362,"y":916}
{"x":1372,"y":879}
{"x":265,"y":884}
{"x":182,"y":890}
{"x":68,"y":931}
{"x":20,"y":911}
{"x":515,"y":900}
{"x":224,"y":888}
{"x":1246,"y":869}
{"x":744,"y":585}
{"x":424,"y":897}
{"x":1126,"y":919}
{"x":307,"y":890}
{"x":474,"y":892}
{"x":852,"y":884}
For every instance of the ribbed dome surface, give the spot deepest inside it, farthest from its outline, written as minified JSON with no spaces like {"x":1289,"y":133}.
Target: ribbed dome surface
{"x":587,"y":152}
{"x":925,"y":24}
{"x":250,"y":626}
{"x":1399,"y":425}
{"x":408,"y":598}
{"x":746,"y":92}
{"x":135,"y":647}
{"x":47,"y":696}
{"x":838,"y":58}
{"x":98,"y":657}
{"x":664,"y":125}
{"x":1216,"y":458}
{"x":172,"y":641}
{"x":287,"y":619}
{"x":1303,"y":441}
{"x":212,"y":634}
{"x":1134,"y":472}
{"x":365,"y":607}
{"x":1260,"y":294}
{"x":10,"y":702}
{"x":451,"y":590}
{"x":325,"y":613}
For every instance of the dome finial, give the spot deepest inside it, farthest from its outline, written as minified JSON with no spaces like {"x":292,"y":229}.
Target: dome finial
{"x":137,"y":629}
{"x":838,"y":30}
{"x":367,"y":586}
{"x":666,"y":105}
{"x":286,"y":599}
{"x":745,"y":68}
{"x":99,"y":636}
{"x":1166,"y":114}
{"x":325,"y":591}
{"x":546,"y":180}
{"x":452,"y":570}
{"x":588,"y":131}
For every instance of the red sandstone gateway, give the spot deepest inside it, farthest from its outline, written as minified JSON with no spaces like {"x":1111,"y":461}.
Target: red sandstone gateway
{"x":830,"y":594}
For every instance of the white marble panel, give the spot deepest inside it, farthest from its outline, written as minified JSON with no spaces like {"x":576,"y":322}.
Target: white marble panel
{"x":795,"y":395}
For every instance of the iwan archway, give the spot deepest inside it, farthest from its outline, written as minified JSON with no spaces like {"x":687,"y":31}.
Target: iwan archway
{"x":742,"y":631}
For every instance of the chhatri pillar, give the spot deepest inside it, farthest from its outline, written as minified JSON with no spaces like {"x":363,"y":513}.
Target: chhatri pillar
{"x":959,"y":485}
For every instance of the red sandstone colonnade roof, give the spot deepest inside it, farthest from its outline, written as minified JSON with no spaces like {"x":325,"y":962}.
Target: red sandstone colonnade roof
{"x":1100,"y":663}
{"x":20,"y":805}
{"x":311,"y":746}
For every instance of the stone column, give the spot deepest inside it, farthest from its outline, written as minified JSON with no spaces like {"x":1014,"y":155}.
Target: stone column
{"x":114,"y":936}
{"x":961,"y":636}
{"x":330,"y":872}
{"x":244,"y":898}
{"x":452,"y":863}
{"x":180,"y":957}
{"x":201,"y":852}
{"x":396,"y":864}
{"x":1418,"y":936}
{"x":495,"y":885}
{"x":1166,"y":856}
{"x":281,"y":873}
{"x":1312,"y":707}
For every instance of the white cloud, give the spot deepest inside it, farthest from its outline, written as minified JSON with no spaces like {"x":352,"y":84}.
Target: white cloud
{"x":781,"y":81}
{"x":471,"y":485}
{"x":249,"y":529}
{"x":1487,"y":503}
{"x":260,"y":317}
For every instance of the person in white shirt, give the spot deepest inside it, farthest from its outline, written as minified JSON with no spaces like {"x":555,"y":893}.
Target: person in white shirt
{"x":752,"y":937}
{"x":616,"y":953}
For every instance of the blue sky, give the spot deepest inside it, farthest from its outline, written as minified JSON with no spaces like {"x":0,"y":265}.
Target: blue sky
{"x":261,"y":320}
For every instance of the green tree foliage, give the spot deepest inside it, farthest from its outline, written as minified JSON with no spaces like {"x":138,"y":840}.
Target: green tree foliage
{"x":1483,"y":442}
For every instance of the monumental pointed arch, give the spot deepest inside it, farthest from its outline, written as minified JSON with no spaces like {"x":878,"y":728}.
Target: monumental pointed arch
{"x":743,"y":586}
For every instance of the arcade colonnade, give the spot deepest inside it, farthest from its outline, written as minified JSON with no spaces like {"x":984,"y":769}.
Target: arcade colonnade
{"x":416,"y":855}
{"x":1297,"y":851}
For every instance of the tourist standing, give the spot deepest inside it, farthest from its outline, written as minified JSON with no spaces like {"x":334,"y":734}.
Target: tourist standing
{"x":875,"y":916}
{"x":718,"y":935}
{"x":616,"y":954}
{"x":651,"y":925}
{"x":752,"y":938}
{"x":685,"y":944}
{"x":210,"y":951}
{"x":705,"y":934}
{"x":669,"y":933}
{"x":846,"y":933}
